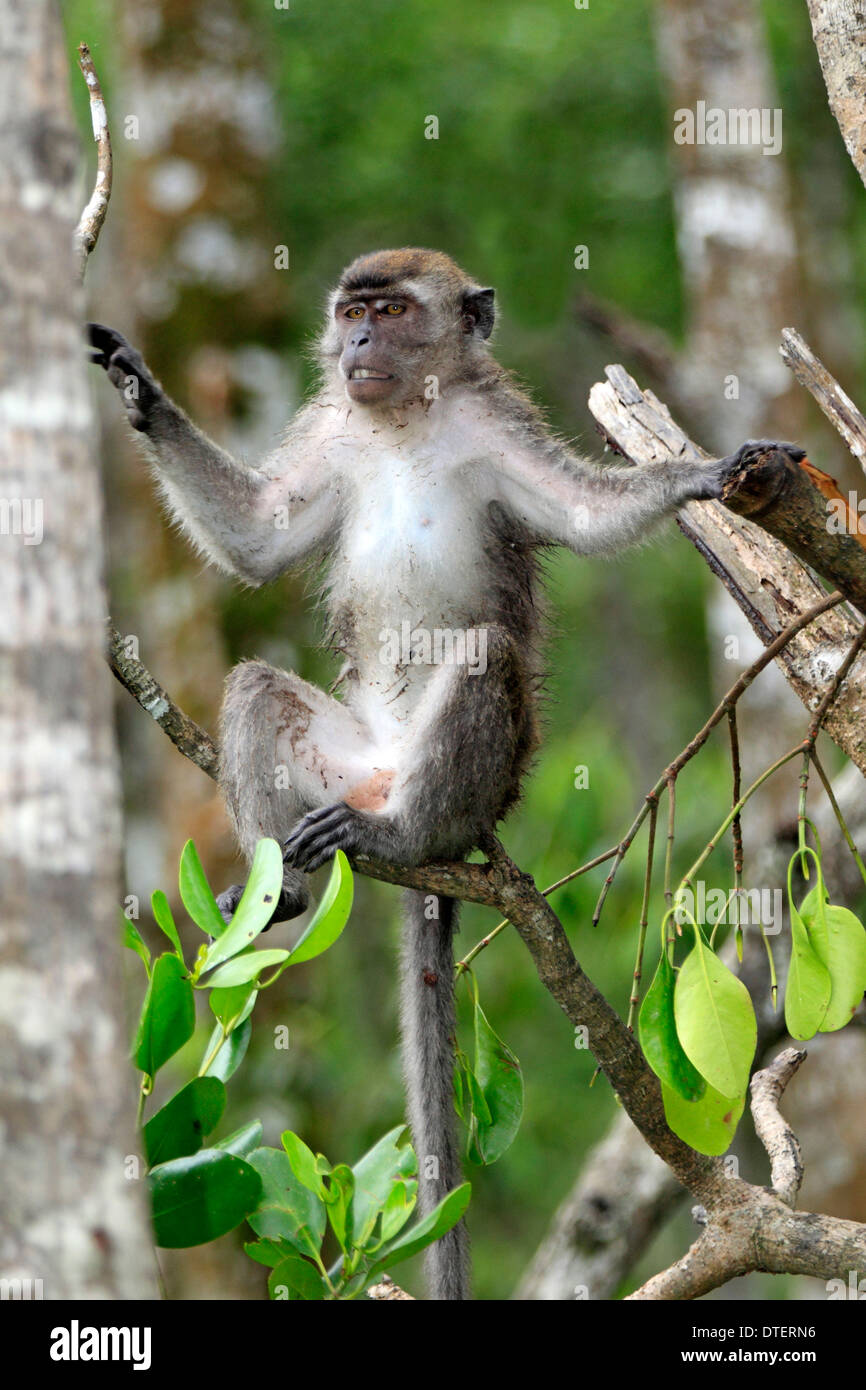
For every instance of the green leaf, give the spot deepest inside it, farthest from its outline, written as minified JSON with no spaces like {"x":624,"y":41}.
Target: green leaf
{"x":132,"y":939}
{"x":244,"y":968}
{"x":839,"y":941}
{"x":255,"y":908}
{"x":164,"y":920}
{"x":715,"y":1020}
{"x":330,"y":916}
{"x":338,"y":1195}
{"x":233,"y":1006}
{"x":196,"y":893}
{"x":386,"y":1163}
{"x":268,"y":1252}
{"x":808,"y":987}
{"x":232,"y":1052}
{"x":242,"y":1141}
{"x":198,"y":1198}
{"x":303,"y":1162}
{"x":708,"y":1124}
{"x":398,"y":1207}
{"x":445,"y":1215}
{"x":295,"y":1278}
{"x":479,"y":1108}
{"x":181,"y":1126}
{"x":658,"y":1036}
{"x":501,"y":1081}
{"x":287,"y":1210}
{"x":167,"y":1016}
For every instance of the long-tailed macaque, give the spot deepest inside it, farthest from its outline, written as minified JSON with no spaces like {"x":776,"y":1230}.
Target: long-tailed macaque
{"x":428,"y":482}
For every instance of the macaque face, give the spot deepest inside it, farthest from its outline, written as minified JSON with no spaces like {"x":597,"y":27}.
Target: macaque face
{"x":383,"y":343}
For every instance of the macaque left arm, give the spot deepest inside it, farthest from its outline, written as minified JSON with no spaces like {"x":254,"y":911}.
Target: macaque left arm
{"x":592,"y":509}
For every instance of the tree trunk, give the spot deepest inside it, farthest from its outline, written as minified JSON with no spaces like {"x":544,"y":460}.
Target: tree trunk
{"x":72,"y":1218}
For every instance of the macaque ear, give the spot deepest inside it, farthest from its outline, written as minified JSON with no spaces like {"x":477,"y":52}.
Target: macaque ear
{"x":479,"y":312}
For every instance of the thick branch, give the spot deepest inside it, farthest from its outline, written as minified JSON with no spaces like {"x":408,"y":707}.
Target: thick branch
{"x":761,"y":1234}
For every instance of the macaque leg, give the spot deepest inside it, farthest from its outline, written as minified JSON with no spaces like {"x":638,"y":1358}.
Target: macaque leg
{"x":287,"y":748}
{"x":457,"y":771}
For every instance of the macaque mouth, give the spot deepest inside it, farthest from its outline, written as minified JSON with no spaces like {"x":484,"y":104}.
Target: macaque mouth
{"x":367,"y":374}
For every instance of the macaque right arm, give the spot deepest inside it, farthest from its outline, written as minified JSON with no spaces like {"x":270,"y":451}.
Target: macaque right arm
{"x":252,"y":522}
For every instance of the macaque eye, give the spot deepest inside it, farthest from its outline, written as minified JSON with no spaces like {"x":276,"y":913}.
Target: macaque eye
{"x":356,"y":312}
{"x":395,"y":309}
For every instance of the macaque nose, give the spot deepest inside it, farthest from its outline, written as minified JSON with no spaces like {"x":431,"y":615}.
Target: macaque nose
{"x":359,"y":340}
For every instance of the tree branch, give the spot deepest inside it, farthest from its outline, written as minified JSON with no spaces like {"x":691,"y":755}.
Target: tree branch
{"x":93,"y":216}
{"x":187,"y":736}
{"x":776,"y":1135}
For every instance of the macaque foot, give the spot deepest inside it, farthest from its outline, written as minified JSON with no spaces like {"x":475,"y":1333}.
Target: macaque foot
{"x":317,"y":837}
{"x":293,"y":900}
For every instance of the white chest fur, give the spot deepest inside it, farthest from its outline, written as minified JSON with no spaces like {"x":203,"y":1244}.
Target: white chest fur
{"x":411,"y":556}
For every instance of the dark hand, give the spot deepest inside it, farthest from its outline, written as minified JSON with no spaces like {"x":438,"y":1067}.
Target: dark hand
{"x":127,"y":371}
{"x":719,"y":470}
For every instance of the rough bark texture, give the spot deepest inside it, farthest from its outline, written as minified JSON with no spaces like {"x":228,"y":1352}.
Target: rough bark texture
{"x":839,"y":31}
{"x":71,"y":1217}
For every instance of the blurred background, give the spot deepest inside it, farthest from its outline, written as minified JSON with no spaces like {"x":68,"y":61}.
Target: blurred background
{"x":240,"y":127}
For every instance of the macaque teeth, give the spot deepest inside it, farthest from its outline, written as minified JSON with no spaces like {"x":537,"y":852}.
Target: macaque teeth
{"x":364,"y":374}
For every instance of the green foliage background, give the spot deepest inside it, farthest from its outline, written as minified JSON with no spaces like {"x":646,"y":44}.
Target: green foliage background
{"x":553,"y":131}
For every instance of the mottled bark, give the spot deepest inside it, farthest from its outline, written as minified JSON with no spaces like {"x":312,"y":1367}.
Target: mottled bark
{"x":71,"y":1216}
{"x":839,"y":31}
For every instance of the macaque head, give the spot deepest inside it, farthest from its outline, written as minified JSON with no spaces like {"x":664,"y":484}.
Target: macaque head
{"x":397,"y":318}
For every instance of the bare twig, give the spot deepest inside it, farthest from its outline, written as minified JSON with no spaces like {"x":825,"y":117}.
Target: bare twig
{"x":728,"y":701}
{"x":736,"y":823}
{"x":840,"y":410}
{"x":187,"y":736}
{"x":774,"y":1132}
{"x":832,"y":694}
{"x":93,"y":216}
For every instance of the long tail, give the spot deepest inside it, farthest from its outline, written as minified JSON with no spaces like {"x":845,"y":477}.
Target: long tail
{"x":428,"y":1060}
